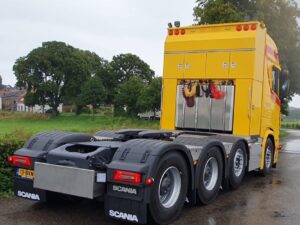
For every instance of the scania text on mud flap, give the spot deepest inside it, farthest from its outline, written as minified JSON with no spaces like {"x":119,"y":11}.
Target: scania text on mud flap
{"x":220,"y":119}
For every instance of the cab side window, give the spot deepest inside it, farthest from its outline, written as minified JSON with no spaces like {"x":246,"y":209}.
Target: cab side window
{"x":275,"y":80}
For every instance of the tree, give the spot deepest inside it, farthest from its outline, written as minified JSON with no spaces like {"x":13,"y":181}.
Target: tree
{"x":150,"y":98}
{"x":82,"y":66}
{"x":92,"y":93}
{"x":216,"y":11}
{"x":280,"y":17}
{"x":126,"y":101}
{"x":124,"y":66}
{"x":55,"y":72}
{"x":43,"y":72}
{"x":33,"y":98}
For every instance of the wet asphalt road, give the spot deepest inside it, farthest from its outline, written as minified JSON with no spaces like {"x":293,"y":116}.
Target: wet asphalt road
{"x":260,"y":200}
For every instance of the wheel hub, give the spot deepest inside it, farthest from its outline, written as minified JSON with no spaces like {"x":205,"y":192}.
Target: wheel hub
{"x":268,"y":157}
{"x":169,"y":187}
{"x":210,"y":175}
{"x":238,"y":162}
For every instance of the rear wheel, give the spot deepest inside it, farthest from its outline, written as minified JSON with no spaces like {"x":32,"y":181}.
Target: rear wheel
{"x":237,"y":164}
{"x":209,"y":175}
{"x":170,"y":189}
{"x":268,"y":159}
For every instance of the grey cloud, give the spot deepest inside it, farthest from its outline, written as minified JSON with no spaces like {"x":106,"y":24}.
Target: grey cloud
{"x":103,"y":26}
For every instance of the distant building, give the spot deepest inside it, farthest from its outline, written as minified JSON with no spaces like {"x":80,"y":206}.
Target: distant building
{"x":10,"y":97}
{"x":21,"y":107}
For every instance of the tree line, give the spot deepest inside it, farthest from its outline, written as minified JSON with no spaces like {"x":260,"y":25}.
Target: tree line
{"x":58,"y":73}
{"x":280,"y":17}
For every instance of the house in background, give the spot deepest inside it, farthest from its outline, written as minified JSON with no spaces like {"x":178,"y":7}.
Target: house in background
{"x":9,"y":96}
{"x":21,"y":107}
{"x":12,"y":99}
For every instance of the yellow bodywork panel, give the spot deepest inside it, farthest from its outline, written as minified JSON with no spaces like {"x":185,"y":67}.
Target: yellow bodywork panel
{"x":255,"y":107}
{"x":241,"y":65}
{"x":195,"y":65}
{"x":168,"y":104}
{"x":175,"y":68}
{"x":242,"y":53}
{"x":217,"y":65}
{"x":241,"y":122}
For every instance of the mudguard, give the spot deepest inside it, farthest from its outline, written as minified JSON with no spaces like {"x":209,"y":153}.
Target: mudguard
{"x":129,"y":202}
{"x":37,"y":149}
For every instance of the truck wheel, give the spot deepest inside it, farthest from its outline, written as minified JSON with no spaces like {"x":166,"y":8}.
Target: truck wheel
{"x":210,"y":175}
{"x":237,"y":165}
{"x":169,"y":191}
{"x":268,"y":161}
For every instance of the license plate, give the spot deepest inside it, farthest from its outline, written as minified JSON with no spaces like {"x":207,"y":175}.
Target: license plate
{"x":29,"y":174}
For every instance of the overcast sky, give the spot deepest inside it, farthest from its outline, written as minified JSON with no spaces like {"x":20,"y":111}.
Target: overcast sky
{"x":107,"y":27}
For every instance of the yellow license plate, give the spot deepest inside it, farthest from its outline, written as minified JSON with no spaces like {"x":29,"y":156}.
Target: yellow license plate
{"x":29,"y":174}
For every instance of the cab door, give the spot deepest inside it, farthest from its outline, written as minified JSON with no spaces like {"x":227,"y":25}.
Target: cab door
{"x":255,"y":107}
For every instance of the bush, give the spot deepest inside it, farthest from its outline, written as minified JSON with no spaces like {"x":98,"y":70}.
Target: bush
{"x":291,"y":125}
{"x":22,"y":115}
{"x":8,"y":144}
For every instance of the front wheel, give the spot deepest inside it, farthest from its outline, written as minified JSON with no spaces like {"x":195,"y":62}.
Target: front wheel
{"x":170,"y":189}
{"x":268,"y":159}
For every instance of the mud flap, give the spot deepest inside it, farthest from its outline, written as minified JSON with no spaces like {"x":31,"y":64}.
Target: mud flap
{"x":24,"y":189}
{"x":125,"y":209}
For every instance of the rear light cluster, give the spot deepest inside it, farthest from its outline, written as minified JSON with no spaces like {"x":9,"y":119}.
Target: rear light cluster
{"x":128,"y":177}
{"x":177,"y":32}
{"x":19,"y":160}
{"x":246,"y":27}
{"x":131,"y":177}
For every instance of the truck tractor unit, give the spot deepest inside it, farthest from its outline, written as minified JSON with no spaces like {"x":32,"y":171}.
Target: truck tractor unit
{"x":221,"y":98}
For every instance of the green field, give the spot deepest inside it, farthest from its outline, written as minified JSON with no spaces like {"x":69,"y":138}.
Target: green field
{"x":24,"y":125}
{"x":291,"y":124}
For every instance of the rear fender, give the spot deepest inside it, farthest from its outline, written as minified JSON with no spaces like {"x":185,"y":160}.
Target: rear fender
{"x":37,"y":148}
{"x":142,"y":156}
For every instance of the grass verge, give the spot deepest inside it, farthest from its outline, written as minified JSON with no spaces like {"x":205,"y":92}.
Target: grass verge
{"x":283,"y":133}
{"x":16,"y":128}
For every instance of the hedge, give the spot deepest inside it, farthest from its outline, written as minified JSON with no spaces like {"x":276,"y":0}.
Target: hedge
{"x":8,"y":144}
{"x":291,"y":125}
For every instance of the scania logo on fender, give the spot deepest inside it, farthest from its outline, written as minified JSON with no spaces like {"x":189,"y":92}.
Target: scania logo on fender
{"x":125,"y":189}
{"x":32,"y":196}
{"x":124,"y":216}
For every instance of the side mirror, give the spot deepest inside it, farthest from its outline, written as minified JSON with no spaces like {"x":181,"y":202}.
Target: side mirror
{"x":284,"y":84}
{"x":284,"y":89}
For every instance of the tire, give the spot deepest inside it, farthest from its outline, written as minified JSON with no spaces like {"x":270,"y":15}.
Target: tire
{"x":169,"y":192}
{"x":237,"y":165}
{"x":208,"y":189}
{"x":268,"y":158}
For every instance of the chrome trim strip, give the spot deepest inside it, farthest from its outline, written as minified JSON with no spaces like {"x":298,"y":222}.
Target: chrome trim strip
{"x":217,"y":50}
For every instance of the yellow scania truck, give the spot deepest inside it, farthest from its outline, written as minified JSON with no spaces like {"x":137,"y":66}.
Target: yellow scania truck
{"x":222,"y":91}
